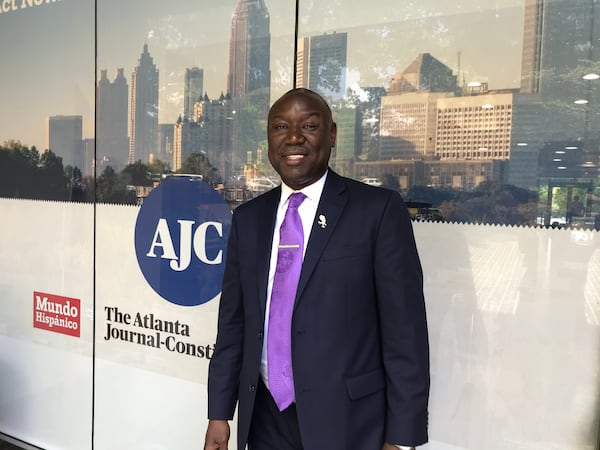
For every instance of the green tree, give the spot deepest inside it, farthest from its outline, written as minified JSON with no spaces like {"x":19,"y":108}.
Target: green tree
{"x":431,"y":195}
{"x":136,"y":174}
{"x":490,"y":202}
{"x":18,"y":170}
{"x":159,"y":167}
{"x":52,"y":177}
{"x":111,"y":188}
{"x":197,"y":164}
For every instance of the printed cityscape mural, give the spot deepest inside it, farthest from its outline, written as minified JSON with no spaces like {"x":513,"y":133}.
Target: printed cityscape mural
{"x":468,"y":126}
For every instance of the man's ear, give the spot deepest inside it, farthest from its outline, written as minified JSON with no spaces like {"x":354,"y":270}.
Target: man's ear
{"x":333,"y":134}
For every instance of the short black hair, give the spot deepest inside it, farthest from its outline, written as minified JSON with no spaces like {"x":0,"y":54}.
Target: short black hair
{"x":308,"y":92}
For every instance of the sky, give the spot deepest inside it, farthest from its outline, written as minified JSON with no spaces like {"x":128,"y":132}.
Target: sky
{"x":50,"y":51}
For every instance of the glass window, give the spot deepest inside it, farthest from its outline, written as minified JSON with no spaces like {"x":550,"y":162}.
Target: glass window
{"x":454,"y":65}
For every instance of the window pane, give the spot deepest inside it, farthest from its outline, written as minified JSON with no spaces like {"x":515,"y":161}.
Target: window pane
{"x":463,"y":106}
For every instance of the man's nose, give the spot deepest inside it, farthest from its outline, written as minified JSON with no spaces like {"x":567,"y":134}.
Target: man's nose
{"x":295,"y":136}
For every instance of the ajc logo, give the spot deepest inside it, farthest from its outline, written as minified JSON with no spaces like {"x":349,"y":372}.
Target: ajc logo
{"x":181,"y":236}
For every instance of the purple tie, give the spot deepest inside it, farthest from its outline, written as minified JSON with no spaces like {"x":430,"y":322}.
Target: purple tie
{"x":283,"y":294}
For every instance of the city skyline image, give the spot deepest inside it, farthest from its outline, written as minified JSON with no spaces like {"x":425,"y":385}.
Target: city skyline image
{"x":436,"y":95}
{"x":189,"y":34}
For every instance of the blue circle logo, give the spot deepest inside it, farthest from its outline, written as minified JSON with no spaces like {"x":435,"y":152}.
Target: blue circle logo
{"x":181,"y":236}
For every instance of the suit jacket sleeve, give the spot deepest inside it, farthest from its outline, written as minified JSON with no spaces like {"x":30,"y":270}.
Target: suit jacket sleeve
{"x":405,"y":347}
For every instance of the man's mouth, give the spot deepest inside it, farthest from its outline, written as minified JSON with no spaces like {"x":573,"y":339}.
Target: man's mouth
{"x":294,"y":157}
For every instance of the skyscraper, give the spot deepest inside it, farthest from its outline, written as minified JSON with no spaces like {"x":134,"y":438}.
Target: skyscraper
{"x":250,"y":50}
{"x":559,"y":48}
{"x":327,"y":65}
{"x":144,"y":109}
{"x":302,"y":63}
{"x":408,"y":125}
{"x":187,"y":139}
{"x":346,"y":143}
{"x":408,"y":113}
{"x":192,"y":90}
{"x":249,"y":80}
{"x":559,"y":66}
{"x":424,"y":74}
{"x":112,"y":142}
{"x":208,"y":132}
{"x":215,"y":118}
{"x":65,"y":139}
{"x":165,"y":142}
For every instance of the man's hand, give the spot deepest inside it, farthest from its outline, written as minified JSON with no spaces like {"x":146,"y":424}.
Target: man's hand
{"x":388,"y":446}
{"x":217,"y":435}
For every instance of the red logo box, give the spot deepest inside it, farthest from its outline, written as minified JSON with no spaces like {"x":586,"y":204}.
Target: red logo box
{"x":56,"y":313}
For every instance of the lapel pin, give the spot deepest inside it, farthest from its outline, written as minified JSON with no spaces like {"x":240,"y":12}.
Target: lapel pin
{"x":322,"y":221}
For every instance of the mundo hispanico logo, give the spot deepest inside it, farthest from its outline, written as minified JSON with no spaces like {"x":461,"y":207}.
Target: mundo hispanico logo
{"x":57,"y":313}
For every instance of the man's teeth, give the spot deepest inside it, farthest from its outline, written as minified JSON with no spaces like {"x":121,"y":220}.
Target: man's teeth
{"x":294,"y":156}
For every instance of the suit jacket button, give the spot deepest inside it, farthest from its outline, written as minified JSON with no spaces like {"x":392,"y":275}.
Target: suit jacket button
{"x":251,"y":388}
{"x":260,"y":334}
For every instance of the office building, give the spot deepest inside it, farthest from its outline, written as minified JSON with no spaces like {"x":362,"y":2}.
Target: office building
{"x":424,"y":74}
{"x":249,"y":79}
{"x":165,"y":142}
{"x":346,"y":139}
{"x":209,"y":131}
{"x":112,"y":140}
{"x":328,"y":65}
{"x":65,"y":139}
{"x":89,"y":162}
{"x":187,"y":138}
{"x":408,"y":125}
{"x":559,"y":48}
{"x":193,"y":89}
{"x":408,"y":112}
{"x":475,"y":127}
{"x":249,"y":51}
{"x":302,"y":63}
{"x":144,"y":109}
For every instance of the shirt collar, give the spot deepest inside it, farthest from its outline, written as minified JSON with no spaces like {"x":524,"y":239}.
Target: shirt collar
{"x":312,"y":191}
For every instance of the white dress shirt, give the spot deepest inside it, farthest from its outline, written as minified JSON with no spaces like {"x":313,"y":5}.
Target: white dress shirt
{"x":307,"y":211}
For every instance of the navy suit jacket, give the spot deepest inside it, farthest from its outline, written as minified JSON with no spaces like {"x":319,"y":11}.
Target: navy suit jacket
{"x":360,"y":351}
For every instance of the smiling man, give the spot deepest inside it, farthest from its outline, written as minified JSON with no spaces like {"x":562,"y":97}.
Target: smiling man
{"x":301,"y":134}
{"x":322,"y":336}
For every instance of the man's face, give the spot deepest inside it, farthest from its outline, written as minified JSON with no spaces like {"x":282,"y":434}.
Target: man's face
{"x":301,"y":134}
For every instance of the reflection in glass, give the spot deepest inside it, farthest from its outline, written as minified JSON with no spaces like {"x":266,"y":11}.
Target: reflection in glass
{"x":471,"y":117}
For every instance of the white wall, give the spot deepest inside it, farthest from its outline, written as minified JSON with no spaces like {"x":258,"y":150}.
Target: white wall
{"x":513,"y":322}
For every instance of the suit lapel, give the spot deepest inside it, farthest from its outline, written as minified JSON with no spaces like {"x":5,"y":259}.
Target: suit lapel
{"x":266,"y":225}
{"x":332,"y":203}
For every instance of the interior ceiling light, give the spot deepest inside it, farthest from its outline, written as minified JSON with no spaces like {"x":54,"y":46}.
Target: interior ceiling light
{"x":522,"y":144}
{"x":560,"y":152}
{"x":591,"y":76}
{"x":561,"y":167}
{"x":474,"y":83}
{"x":571,"y":148}
{"x":581,"y":101}
{"x":557,"y":159}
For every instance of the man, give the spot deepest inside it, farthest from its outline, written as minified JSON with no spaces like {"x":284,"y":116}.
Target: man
{"x":356,"y":329}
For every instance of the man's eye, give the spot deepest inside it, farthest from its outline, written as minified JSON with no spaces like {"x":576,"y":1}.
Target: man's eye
{"x":279,"y":126}
{"x":310,"y":126}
